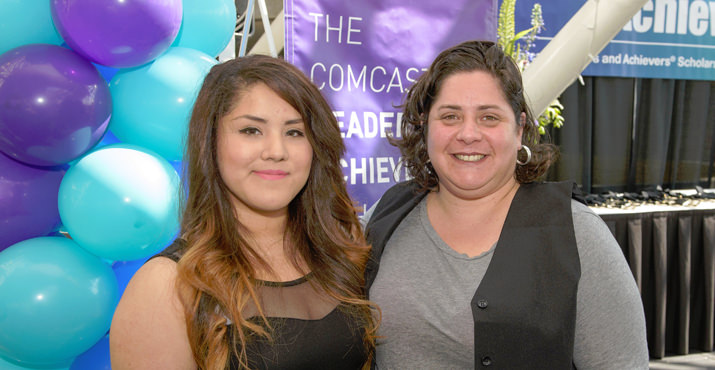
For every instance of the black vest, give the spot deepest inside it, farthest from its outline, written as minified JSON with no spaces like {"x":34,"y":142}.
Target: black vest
{"x":525,"y":307}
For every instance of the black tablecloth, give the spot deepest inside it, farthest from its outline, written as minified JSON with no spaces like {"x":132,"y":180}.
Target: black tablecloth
{"x":672,"y":256}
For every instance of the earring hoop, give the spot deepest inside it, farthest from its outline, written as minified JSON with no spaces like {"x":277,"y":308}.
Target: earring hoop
{"x":528,"y":155}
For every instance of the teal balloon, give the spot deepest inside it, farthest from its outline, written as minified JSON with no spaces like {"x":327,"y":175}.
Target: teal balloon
{"x":56,"y":301}
{"x":120,"y":202}
{"x":152,"y":104}
{"x":207,"y":25}
{"x":6,"y":364}
{"x":25,"y":22}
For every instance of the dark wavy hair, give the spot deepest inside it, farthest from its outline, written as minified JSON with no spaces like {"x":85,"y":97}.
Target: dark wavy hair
{"x":467,"y":57}
{"x":219,"y":263}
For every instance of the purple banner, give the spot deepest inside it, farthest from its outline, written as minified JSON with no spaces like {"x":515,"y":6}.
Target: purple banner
{"x":364,"y":55}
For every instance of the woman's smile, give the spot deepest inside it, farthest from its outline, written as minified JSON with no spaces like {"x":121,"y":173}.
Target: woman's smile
{"x":271,"y":174}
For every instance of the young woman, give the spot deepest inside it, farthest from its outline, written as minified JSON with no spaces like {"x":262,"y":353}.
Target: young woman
{"x":268,"y":270}
{"x":479,"y":264}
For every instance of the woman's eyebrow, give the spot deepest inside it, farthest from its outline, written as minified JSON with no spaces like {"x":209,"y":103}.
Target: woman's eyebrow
{"x":489,"y":106}
{"x":294,"y":121}
{"x":450,"y":106}
{"x":251,"y":117}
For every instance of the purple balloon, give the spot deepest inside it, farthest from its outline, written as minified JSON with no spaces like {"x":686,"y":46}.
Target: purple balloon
{"x":54,"y":105}
{"x":118,"y":33}
{"x":28,"y":201}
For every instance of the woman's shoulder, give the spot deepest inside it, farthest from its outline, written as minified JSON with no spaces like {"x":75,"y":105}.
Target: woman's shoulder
{"x":596,"y":243}
{"x":149,"y":326}
{"x":152,"y":285}
{"x":157,"y":271}
{"x":152,"y":290}
{"x":402,"y":190}
{"x":585,"y":218}
{"x":400,"y":194}
{"x":174,"y":251}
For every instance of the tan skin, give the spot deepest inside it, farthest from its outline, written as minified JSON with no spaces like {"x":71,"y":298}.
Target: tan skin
{"x":472,"y":141}
{"x":264,"y":159}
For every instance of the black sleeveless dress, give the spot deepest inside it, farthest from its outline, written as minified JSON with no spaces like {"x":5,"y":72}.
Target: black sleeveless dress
{"x":309,"y":330}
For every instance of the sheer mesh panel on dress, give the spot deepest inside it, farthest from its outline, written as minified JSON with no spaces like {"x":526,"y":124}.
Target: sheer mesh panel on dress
{"x":296,"y":299}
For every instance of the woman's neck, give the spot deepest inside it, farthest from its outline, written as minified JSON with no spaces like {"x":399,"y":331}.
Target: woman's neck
{"x":273,"y":244}
{"x":470,"y":226}
{"x":453,"y":206}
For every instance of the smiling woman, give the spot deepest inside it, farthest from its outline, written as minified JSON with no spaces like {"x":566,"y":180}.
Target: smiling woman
{"x":263,"y":153}
{"x":474,"y":262}
{"x":268,"y":269}
{"x":473,"y":137}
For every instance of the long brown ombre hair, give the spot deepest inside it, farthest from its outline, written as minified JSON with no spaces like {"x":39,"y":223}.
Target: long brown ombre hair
{"x":217,"y":271}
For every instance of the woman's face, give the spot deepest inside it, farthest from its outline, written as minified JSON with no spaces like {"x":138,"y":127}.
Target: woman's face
{"x":473,"y":137}
{"x":264,"y":156}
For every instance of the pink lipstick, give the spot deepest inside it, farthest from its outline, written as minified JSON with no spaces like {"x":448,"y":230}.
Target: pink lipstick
{"x":271,"y":174}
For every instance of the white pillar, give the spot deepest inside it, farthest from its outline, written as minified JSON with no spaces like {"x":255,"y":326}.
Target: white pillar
{"x":230,"y":51}
{"x":573,"y":47}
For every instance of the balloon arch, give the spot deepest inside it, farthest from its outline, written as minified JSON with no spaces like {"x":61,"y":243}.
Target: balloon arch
{"x":94,"y":104}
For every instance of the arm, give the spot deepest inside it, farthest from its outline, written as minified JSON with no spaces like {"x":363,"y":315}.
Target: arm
{"x":149,"y":329}
{"x":610,"y":322}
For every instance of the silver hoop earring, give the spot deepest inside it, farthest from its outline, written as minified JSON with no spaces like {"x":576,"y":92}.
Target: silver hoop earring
{"x":528,"y":155}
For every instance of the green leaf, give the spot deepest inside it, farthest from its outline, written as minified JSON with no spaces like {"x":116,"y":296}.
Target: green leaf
{"x":523,"y":33}
{"x":505,"y":28}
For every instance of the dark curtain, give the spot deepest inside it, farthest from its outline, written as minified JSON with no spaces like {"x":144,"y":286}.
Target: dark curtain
{"x":672,"y":257}
{"x":628,"y":134}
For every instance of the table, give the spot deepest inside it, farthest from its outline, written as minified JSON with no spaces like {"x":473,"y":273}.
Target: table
{"x":671,"y":252}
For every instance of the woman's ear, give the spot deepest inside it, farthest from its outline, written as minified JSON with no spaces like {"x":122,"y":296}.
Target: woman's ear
{"x":522,"y":119}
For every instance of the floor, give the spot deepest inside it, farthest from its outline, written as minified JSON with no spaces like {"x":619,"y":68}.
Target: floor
{"x":688,"y":362}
